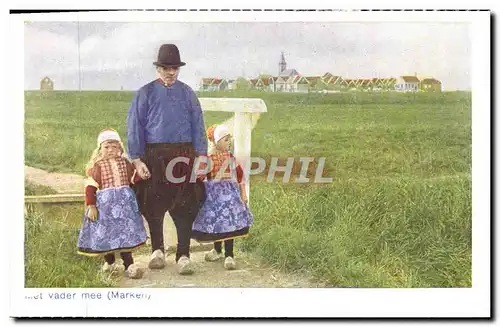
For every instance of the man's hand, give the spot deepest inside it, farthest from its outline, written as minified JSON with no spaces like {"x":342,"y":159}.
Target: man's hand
{"x":92,"y":212}
{"x":142,"y":169}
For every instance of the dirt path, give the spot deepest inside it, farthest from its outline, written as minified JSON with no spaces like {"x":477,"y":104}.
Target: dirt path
{"x":249,"y":273}
{"x":61,"y":183}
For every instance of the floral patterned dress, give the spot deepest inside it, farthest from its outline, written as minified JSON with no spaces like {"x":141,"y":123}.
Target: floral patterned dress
{"x":119,"y":225}
{"x":223,"y":215}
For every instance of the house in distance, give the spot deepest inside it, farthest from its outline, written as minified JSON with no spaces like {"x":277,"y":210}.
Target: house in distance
{"x":46,"y":84}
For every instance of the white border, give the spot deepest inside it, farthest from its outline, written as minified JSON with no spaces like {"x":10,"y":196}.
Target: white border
{"x":254,"y":16}
{"x":473,"y":302}
{"x":254,"y":4}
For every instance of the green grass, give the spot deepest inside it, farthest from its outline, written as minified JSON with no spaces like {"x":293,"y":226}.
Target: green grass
{"x":51,"y":260}
{"x":34,"y":189}
{"x":398,"y":213}
{"x":70,"y":122}
{"x":386,"y":233}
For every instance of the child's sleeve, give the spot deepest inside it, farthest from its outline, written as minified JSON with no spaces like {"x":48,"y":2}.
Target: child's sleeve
{"x":239,"y":174}
{"x":239,"y":171}
{"x":200,"y":174}
{"x":92,"y":184}
{"x":241,"y":182}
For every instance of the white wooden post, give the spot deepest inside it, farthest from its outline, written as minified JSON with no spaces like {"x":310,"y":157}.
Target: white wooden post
{"x":242,"y":143}
{"x":245,"y":109}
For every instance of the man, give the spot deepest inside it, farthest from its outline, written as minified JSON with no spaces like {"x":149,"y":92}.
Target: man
{"x":164,"y":123}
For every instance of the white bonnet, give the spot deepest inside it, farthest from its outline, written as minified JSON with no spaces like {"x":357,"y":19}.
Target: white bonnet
{"x":107,"y":135}
{"x":220,"y":132}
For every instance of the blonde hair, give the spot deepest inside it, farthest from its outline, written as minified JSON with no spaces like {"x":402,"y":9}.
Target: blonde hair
{"x":97,"y":155}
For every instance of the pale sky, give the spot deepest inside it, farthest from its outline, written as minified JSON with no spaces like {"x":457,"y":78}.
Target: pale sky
{"x":115,"y":55}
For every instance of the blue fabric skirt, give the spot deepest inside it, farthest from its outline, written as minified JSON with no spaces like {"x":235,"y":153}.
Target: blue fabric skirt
{"x":119,"y":225}
{"x":223,"y":215}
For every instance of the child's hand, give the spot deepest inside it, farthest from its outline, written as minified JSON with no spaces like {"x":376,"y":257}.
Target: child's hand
{"x":92,"y":212}
{"x":243,"y":194}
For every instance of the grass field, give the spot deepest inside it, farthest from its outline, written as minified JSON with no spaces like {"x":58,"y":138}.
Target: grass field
{"x":50,"y":248}
{"x":398,"y":213}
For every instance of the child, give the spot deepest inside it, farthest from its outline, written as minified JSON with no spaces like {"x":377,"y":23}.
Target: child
{"x":112,"y":222}
{"x":224,"y":215}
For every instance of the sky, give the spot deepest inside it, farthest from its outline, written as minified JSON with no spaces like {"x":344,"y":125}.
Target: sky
{"x":114,"y":56}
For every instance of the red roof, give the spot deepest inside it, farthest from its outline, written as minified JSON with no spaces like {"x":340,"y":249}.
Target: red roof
{"x":388,"y":80}
{"x":266,"y":81}
{"x":430,"y":81}
{"x":206,"y":81}
{"x":410,"y":79}
{"x":313,"y":79}
{"x":296,"y":78}
{"x":327,"y":75}
{"x":211,"y":80}
{"x":334,"y":79}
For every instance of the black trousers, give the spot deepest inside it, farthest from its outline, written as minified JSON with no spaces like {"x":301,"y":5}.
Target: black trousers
{"x":158,"y":195}
{"x":183,"y":220}
{"x":126,"y":257}
{"x":228,"y":247}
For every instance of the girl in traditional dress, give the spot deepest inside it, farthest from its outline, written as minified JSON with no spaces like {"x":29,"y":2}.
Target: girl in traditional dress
{"x":225,"y":214}
{"x":112,"y":221}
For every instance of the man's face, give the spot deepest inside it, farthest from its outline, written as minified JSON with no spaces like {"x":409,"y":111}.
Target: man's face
{"x":168,"y":74}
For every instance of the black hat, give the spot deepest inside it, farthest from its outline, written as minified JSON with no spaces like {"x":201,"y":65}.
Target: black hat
{"x":168,"y":56}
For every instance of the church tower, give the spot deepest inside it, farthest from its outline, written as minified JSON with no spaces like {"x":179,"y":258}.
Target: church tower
{"x":282,"y":63}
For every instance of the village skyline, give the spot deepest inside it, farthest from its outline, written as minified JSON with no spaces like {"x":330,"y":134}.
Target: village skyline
{"x":115,"y":56}
{"x":290,"y":80}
